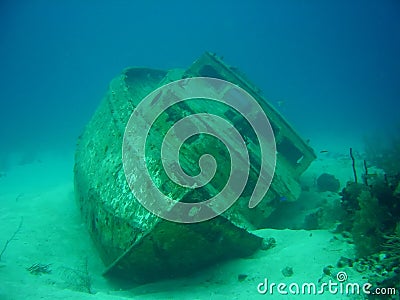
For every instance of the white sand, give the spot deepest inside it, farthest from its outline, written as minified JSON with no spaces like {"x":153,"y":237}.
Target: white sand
{"x":52,"y":233}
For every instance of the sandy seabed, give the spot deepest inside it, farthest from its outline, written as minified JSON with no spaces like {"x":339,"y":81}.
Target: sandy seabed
{"x":52,"y":234}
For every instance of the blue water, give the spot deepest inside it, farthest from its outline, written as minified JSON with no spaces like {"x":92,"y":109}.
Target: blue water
{"x":331,"y":67}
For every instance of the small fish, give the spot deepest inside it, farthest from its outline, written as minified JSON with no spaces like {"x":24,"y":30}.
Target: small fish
{"x":282,"y":199}
{"x":323,"y":151}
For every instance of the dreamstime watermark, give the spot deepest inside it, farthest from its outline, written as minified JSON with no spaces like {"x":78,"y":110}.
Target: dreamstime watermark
{"x":332,"y":287}
{"x":198,"y":88}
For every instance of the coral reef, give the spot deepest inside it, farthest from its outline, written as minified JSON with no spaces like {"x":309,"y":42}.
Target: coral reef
{"x":268,"y":243}
{"x":368,"y":226}
{"x":391,"y":246}
{"x":373,"y":216}
{"x":328,"y":182}
{"x":287,"y":271}
{"x":373,"y":269}
{"x":79,"y":279}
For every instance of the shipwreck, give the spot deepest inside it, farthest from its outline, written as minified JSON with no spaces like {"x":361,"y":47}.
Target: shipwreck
{"x":137,"y":244}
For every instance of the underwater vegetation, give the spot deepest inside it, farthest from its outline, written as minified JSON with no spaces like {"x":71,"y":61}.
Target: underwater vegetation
{"x":372,"y":214}
{"x":328,"y":182}
{"x":13,"y":237}
{"x":79,"y":278}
